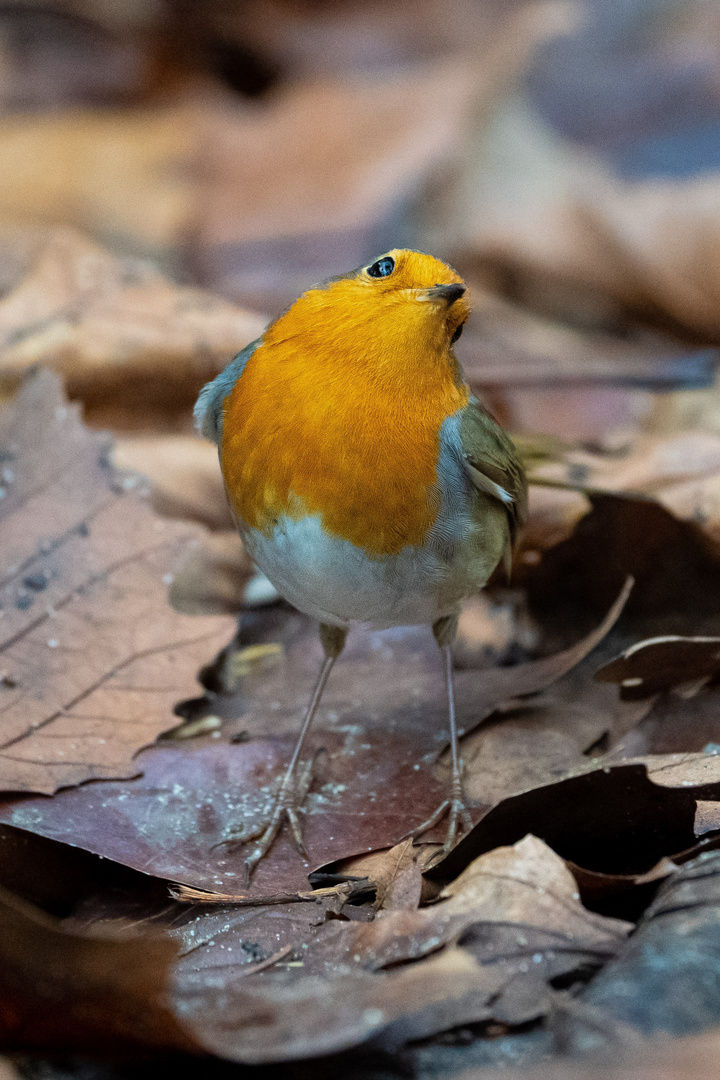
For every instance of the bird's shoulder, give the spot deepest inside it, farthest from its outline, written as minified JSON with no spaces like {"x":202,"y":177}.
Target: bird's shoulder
{"x":208,"y":410}
{"x":492,"y":463}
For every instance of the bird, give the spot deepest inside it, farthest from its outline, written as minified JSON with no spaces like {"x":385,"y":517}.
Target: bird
{"x":366,"y":480}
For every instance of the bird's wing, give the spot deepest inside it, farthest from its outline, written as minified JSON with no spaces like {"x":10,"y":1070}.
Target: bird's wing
{"x":493,"y":466}
{"x":208,"y":410}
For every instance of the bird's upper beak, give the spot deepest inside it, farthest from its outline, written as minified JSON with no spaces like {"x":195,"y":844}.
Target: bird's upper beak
{"x":447,"y":293}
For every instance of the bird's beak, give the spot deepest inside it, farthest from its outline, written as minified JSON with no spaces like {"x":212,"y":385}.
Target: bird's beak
{"x":447,"y":293}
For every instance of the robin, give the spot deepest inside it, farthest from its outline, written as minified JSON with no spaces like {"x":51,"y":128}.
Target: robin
{"x":367,"y":482}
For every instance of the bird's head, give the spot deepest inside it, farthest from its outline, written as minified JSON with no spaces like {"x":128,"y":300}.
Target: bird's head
{"x":402,"y":309}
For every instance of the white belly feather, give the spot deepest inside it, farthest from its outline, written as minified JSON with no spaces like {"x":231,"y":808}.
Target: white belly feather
{"x":334,"y":581}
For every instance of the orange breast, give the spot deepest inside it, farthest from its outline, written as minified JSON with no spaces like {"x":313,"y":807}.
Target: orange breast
{"x":306,"y":434}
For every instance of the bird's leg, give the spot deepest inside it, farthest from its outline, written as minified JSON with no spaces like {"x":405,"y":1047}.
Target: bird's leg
{"x":454,"y":806}
{"x":297,"y":779}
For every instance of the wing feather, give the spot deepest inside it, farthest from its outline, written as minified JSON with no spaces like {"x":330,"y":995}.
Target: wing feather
{"x":208,"y":410}
{"x":493,"y":466}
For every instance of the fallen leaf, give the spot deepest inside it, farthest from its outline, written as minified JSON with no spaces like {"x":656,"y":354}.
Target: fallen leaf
{"x":624,"y":896}
{"x":119,"y":173}
{"x":666,"y":978}
{"x":55,"y":58}
{"x":317,"y":180}
{"x":661,"y":663}
{"x":707,"y":817}
{"x":213,"y":579}
{"x":283,"y":1008}
{"x":514,"y":346}
{"x":394,"y":874}
{"x":536,"y":739}
{"x":682,"y":770}
{"x":525,"y":885}
{"x":675,"y":565}
{"x":616,"y":826}
{"x":64,"y":990}
{"x":680,"y":471}
{"x":677,"y":724}
{"x":283,"y":1016}
{"x":184,"y":476}
{"x":93,"y":656}
{"x":613,"y":228}
{"x":381,"y":727}
{"x":116,"y":330}
{"x":514,"y":913}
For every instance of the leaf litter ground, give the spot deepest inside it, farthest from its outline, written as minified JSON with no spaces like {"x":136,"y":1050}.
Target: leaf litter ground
{"x":380,"y":954}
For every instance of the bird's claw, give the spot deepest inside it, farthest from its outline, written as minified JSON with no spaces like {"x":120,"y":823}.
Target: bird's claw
{"x":456,"y":811}
{"x":268,"y":834}
{"x":287,"y":803}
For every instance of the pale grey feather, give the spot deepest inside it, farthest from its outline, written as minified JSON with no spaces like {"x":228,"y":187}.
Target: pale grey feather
{"x":208,"y":410}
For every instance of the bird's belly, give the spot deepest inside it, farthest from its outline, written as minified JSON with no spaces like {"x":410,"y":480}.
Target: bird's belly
{"x":335,"y":581}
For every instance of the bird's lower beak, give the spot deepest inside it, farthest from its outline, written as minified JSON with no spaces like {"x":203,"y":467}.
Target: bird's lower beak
{"x":447,"y":293}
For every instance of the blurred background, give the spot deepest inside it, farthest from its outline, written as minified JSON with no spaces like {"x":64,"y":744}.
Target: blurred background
{"x":174,"y":173}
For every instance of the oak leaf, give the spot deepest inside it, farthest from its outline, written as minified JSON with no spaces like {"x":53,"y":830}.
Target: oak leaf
{"x":92,"y":656}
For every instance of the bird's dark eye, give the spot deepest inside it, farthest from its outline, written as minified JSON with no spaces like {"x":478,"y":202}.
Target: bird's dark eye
{"x":382,"y":268}
{"x":457,"y":333}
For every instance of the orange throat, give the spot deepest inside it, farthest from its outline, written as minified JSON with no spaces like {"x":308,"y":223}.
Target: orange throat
{"x":357,"y":445}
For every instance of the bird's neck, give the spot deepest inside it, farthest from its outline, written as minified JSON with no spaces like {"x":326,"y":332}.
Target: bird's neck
{"x":355,"y":443}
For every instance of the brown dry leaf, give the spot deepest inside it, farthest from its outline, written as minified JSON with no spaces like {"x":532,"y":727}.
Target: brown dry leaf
{"x":64,"y":990}
{"x":662,"y":663}
{"x":184,"y":475}
{"x":93,"y":657}
{"x":266,"y":199}
{"x":681,"y":472}
{"x":683,"y":720}
{"x":120,"y":174}
{"x":282,"y":1015}
{"x":394,"y":873}
{"x":525,"y":885}
{"x":707,"y":817}
{"x":616,"y":825}
{"x":115,"y":329}
{"x":675,"y":564}
{"x":515,"y":913}
{"x":327,"y":171}
{"x":518,"y":349}
{"x":666,"y":978}
{"x":612,"y":226}
{"x":375,"y":742}
{"x":213,"y":579}
{"x":682,"y":770}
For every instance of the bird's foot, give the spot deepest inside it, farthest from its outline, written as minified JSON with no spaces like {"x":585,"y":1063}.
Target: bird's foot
{"x":459,"y":821}
{"x":287,"y":803}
